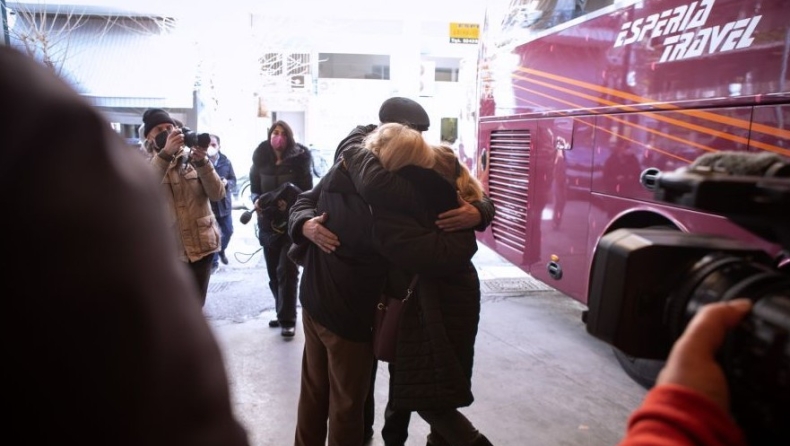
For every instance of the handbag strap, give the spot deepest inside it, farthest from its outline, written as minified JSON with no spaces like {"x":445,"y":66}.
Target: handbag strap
{"x":410,"y":289}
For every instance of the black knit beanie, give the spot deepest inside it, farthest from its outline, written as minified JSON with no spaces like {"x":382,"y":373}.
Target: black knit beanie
{"x":404,"y":111}
{"x":153,"y":117}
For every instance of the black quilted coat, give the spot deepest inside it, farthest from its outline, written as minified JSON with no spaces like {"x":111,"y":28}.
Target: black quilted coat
{"x":435,"y":349}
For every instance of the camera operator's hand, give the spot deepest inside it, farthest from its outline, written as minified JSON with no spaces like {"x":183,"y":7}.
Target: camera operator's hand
{"x":692,"y":362}
{"x":315,"y":231}
{"x":175,"y":140}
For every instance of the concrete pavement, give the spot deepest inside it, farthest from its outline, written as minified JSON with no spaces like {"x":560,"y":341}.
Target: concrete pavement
{"x":539,"y":378}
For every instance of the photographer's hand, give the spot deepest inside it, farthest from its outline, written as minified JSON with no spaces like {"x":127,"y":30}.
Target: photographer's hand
{"x":692,"y":361}
{"x":314,"y":230}
{"x":199,"y":153}
{"x":175,"y":140}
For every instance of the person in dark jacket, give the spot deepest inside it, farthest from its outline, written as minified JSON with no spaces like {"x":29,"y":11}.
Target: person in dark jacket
{"x":385,"y":188}
{"x":275,"y":162}
{"x":112,"y":347}
{"x":338,"y":292}
{"x":434,"y":356}
{"x":223,"y":209}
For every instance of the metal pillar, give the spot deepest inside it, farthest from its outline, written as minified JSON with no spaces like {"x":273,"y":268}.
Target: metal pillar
{"x":4,"y":13}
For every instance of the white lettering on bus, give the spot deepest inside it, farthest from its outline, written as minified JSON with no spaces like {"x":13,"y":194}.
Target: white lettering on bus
{"x":685,"y":32}
{"x":730,"y":36}
{"x":686,"y":16}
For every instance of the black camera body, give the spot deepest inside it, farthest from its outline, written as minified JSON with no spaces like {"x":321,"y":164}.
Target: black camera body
{"x":647,"y":284}
{"x":192,"y":139}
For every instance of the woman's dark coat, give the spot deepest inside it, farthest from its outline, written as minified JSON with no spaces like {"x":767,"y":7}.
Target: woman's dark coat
{"x":435,"y":351}
{"x":266,"y":176}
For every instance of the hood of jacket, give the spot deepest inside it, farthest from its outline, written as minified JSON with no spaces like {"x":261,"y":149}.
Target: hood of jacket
{"x":437,"y":194}
{"x":357,"y":136}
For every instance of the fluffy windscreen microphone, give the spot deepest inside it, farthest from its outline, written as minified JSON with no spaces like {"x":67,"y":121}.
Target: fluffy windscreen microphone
{"x":744,"y":163}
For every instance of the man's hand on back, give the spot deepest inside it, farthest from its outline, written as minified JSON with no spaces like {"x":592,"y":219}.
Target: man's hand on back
{"x":315,"y":231}
{"x":465,"y":216}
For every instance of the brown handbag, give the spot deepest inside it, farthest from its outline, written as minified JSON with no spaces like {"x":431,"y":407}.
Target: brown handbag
{"x":387,"y":322}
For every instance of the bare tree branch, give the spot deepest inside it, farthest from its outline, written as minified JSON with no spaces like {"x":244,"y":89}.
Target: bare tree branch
{"x":46,"y":32}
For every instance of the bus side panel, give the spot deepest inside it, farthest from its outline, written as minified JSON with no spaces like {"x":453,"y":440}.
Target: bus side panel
{"x":771,"y":129}
{"x":561,"y":195}
{"x":627,"y":144}
{"x":538,"y":175}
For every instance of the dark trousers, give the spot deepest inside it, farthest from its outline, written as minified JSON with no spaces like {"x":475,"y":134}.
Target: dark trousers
{"x":226,"y":231}
{"x":396,"y":422}
{"x":334,"y":382}
{"x":201,"y":271}
{"x":283,"y":278}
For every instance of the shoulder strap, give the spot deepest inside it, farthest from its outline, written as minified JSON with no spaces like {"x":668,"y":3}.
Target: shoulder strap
{"x":410,"y":289}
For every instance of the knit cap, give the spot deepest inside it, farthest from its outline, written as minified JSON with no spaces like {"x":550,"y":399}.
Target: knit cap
{"x":153,"y":117}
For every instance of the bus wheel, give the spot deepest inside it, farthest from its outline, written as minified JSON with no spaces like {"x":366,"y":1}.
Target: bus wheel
{"x":643,"y":371}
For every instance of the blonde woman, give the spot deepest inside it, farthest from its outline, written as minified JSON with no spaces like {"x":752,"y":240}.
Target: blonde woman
{"x":433,"y":367}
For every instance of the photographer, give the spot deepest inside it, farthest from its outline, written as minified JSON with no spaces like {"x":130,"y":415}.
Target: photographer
{"x":690,"y":402}
{"x":189,"y":181}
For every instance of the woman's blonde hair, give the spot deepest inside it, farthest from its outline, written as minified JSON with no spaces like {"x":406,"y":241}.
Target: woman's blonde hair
{"x":448,"y":166}
{"x":397,"y":145}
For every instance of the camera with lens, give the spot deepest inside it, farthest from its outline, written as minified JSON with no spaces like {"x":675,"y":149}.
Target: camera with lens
{"x":192,"y":139}
{"x":647,"y":284}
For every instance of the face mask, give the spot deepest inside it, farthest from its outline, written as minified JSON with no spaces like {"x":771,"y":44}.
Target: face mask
{"x":278,"y":142}
{"x":212,"y":151}
{"x":161,"y":139}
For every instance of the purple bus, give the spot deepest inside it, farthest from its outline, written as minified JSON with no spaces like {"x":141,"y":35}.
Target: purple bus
{"x":581,"y":102}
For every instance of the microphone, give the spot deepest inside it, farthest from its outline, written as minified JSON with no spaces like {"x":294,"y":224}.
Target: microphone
{"x":744,"y":163}
{"x":246,"y":217}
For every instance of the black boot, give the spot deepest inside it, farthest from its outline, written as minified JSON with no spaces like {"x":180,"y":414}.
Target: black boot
{"x":481,"y":440}
{"x":435,"y":439}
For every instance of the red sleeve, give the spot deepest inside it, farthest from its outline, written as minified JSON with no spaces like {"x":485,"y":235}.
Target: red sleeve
{"x":675,"y":415}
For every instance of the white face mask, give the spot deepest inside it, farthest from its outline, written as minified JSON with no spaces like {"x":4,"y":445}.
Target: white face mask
{"x":212,"y":151}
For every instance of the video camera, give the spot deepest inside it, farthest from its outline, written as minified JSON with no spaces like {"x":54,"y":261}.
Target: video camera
{"x":647,"y":284}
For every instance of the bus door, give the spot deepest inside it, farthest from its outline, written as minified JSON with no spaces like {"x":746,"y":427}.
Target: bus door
{"x":562,"y":173}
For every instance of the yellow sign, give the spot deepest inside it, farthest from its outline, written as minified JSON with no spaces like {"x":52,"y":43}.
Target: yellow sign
{"x":464,"y":32}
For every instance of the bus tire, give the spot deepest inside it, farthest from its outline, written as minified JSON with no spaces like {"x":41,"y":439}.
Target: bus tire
{"x":643,"y":371}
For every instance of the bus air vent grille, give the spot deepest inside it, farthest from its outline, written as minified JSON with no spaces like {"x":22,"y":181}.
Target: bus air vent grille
{"x":508,"y":185}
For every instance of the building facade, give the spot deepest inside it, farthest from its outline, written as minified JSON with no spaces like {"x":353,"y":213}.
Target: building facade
{"x":233,"y":72}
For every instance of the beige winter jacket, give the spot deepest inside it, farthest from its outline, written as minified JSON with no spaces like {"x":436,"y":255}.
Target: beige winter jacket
{"x":188,"y":190}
